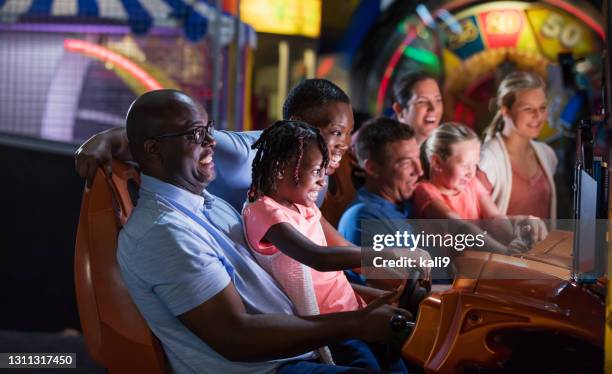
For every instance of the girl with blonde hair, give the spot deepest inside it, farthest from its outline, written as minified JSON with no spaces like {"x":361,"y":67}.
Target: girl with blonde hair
{"x":450,"y":158}
{"x":516,"y":169}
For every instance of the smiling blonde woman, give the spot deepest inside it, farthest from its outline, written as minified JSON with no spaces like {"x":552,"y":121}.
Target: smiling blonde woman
{"x":515,"y":168}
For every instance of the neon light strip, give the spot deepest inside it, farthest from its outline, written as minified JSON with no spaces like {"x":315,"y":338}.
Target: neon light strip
{"x":391,"y":67}
{"x":107,"y":55}
{"x":85,"y":28}
{"x":423,"y":56}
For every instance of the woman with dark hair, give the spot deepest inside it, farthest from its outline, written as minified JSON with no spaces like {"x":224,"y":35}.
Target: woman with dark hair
{"x":417,"y":102}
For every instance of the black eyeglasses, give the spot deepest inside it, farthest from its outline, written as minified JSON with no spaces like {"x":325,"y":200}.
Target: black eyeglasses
{"x":196,"y":135}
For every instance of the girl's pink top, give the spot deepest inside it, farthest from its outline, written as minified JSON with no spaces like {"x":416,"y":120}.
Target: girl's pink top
{"x":332,"y":289}
{"x":466,"y":203}
{"x":530,"y":195}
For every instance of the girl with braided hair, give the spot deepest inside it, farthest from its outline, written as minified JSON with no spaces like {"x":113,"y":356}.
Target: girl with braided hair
{"x":287,"y":233}
{"x":278,"y":146}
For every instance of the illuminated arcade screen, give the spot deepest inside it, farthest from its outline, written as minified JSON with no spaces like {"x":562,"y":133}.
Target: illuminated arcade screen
{"x":287,"y":17}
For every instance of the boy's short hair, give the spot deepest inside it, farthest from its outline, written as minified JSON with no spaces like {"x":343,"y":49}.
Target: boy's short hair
{"x":376,"y":134}
{"x":310,"y":94}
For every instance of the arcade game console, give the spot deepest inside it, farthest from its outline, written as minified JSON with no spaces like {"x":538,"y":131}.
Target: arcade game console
{"x":539,"y":311}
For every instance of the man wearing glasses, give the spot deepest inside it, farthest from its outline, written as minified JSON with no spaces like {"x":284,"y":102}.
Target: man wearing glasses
{"x":185,"y":262}
{"x":197,"y":134}
{"x":318,"y":102}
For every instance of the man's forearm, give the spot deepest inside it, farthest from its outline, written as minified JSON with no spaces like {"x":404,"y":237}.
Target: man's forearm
{"x":224,"y":324}
{"x":264,"y":337}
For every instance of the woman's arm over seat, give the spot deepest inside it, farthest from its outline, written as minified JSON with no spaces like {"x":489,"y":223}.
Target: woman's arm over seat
{"x":99,"y":150}
{"x":233,"y":158}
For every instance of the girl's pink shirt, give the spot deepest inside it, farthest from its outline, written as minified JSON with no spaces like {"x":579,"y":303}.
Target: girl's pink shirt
{"x":530,"y":195}
{"x":332,"y":289}
{"x":466,"y":203}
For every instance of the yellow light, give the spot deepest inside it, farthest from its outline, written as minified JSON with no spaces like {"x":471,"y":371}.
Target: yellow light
{"x":287,"y":17}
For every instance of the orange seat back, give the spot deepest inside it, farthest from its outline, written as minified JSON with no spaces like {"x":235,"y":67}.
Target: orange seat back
{"x":116,"y":335}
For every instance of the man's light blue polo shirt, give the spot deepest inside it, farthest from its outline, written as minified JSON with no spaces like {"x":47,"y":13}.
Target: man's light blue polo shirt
{"x":370,"y":214}
{"x":177,"y":251}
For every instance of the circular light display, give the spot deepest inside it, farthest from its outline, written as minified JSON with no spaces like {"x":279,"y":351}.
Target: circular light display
{"x":493,"y":39}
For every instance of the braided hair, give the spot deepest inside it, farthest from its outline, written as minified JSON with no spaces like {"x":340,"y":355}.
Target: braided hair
{"x":278,"y":146}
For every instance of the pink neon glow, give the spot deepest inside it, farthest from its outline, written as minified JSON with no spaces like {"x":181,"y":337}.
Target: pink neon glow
{"x":107,"y":55}
{"x":391,"y":67}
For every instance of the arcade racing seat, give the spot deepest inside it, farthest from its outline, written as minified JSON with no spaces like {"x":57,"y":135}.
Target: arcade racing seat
{"x":116,"y":335}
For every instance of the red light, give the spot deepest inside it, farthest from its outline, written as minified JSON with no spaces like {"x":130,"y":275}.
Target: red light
{"x":325,"y":67}
{"x":382,"y":90}
{"x":106,"y":55}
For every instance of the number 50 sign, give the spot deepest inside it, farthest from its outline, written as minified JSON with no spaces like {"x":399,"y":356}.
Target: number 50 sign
{"x":558,"y":27}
